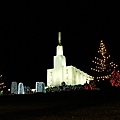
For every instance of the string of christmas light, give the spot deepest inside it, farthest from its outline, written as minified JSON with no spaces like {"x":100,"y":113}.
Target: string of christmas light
{"x":115,"y":78}
{"x":102,"y":64}
{"x":2,"y":86}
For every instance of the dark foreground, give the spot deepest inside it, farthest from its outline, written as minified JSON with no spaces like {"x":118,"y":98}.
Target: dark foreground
{"x":83,"y":105}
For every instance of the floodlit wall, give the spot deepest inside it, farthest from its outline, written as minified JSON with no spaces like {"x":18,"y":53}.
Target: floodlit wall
{"x":59,"y":50}
{"x":77,"y":76}
{"x":14,"y":88}
{"x":73,"y":75}
{"x":40,"y":87}
{"x":21,"y":88}
{"x":50,"y":76}
{"x":69,"y":75}
{"x":57,"y":70}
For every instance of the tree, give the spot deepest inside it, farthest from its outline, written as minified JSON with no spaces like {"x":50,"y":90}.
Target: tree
{"x":1,"y":85}
{"x":115,"y":78}
{"x":92,"y":85}
{"x":87,"y":86}
{"x":102,"y":64}
{"x":63,"y":84}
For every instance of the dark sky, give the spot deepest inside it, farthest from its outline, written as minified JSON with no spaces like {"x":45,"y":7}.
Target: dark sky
{"x":30,"y":36}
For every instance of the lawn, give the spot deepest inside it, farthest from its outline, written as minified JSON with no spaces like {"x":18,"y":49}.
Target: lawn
{"x":83,"y":105}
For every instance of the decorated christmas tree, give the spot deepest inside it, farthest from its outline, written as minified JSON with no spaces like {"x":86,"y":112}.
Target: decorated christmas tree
{"x":2,"y":86}
{"x":115,"y":78}
{"x":102,"y":64}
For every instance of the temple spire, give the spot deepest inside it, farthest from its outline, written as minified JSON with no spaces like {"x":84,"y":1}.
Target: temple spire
{"x":59,"y":47}
{"x":59,"y":38}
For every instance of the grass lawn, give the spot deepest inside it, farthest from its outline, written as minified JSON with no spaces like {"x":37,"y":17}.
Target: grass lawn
{"x":82,"y":105}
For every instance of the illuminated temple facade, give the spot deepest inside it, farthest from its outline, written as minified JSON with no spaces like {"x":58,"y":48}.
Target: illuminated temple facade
{"x":62,"y":73}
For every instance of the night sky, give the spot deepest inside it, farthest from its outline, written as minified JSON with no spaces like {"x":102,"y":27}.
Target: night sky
{"x":29,"y":36}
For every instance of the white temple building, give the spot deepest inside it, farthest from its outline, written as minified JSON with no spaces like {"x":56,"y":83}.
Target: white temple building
{"x":62,"y":73}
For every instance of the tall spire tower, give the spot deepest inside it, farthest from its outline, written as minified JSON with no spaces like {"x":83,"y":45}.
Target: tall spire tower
{"x":59,"y":63}
{"x":59,"y":38}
